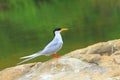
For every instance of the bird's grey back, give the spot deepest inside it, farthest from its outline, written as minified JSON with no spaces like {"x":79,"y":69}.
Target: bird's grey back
{"x":54,"y":46}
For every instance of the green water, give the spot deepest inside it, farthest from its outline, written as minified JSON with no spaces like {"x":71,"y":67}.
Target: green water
{"x":26,"y":26}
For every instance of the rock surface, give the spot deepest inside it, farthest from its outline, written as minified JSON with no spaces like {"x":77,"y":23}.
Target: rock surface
{"x":96,"y":62}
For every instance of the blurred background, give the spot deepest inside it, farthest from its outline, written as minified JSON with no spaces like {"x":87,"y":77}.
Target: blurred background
{"x":26,"y":26}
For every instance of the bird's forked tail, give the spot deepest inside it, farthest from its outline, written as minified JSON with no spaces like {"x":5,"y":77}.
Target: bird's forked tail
{"x":27,"y":58}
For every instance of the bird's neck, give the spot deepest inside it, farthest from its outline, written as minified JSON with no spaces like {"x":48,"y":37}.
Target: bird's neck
{"x":58,"y":36}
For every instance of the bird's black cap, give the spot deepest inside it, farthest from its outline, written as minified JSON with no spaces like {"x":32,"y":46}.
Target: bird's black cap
{"x":56,"y":29}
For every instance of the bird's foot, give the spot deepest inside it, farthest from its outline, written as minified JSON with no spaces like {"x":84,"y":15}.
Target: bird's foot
{"x":56,"y":56}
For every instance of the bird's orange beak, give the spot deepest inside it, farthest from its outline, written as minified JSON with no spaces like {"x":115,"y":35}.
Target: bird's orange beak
{"x":63,"y":29}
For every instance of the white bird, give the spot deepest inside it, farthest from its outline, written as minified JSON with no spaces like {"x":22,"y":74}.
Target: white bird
{"x":52,"y":48}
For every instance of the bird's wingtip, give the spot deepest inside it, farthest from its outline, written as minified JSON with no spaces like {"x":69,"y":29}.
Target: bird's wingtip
{"x":25,"y":57}
{"x":22,"y":57}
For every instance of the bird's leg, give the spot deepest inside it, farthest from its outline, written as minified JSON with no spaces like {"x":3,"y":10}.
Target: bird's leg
{"x":56,"y":56}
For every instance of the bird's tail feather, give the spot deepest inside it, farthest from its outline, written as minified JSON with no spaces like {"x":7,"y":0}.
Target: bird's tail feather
{"x":27,"y":58}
